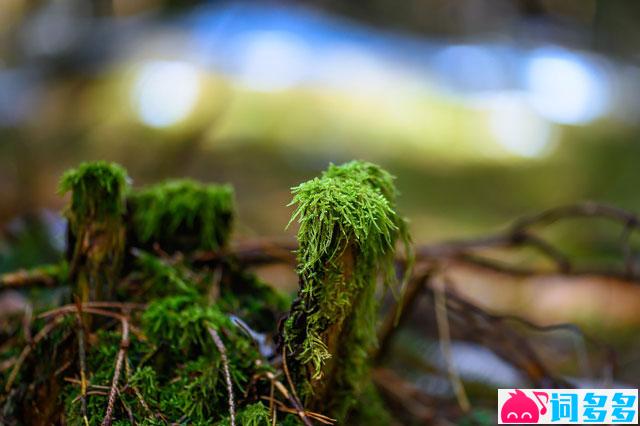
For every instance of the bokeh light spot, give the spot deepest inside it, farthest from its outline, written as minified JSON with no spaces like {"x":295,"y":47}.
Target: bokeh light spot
{"x":165,"y":92}
{"x":564,"y":87}
{"x":518,"y":128}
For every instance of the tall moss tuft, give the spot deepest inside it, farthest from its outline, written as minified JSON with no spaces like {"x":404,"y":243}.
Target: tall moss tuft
{"x":347,"y":236}
{"x":183,"y":214}
{"x":96,"y":227}
{"x":98,"y":191}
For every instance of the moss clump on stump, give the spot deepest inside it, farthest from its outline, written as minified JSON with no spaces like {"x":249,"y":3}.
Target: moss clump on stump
{"x":347,"y":236}
{"x":182,"y":215}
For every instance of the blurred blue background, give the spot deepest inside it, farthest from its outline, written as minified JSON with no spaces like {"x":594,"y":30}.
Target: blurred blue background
{"x":483,"y":109}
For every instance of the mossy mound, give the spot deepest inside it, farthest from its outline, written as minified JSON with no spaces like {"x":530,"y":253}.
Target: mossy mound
{"x":154,"y":335}
{"x":183,"y":215}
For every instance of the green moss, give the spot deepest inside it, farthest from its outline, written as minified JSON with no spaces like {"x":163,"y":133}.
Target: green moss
{"x":250,"y":298}
{"x":159,"y":278}
{"x":348,"y":232}
{"x":252,"y":415}
{"x":180,"y":322}
{"x":57,"y":271}
{"x":100,"y":366}
{"x":370,"y":409}
{"x":366,"y":173}
{"x":347,"y":235}
{"x":97,"y":228}
{"x":177,"y":326}
{"x":176,"y":368}
{"x":48,"y":275}
{"x":185,"y":207}
{"x":98,"y":191}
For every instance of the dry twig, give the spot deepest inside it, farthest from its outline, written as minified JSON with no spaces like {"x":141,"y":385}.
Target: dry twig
{"x":225,"y":363}
{"x":124,"y":345}
{"x":299,"y":411}
{"x":316,"y":416}
{"x":442,"y":321}
{"x":83,"y":364}
{"x":27,"y":350}
{"x":25,"y":278}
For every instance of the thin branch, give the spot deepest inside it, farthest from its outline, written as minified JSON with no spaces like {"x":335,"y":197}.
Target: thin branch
{"x":282,"y":250}
{"x":90,"y":307}
{"x":136,"y":391}
{"x":517,"y":271}
{"x":263,"y":251}
{"x":27,"y":278}
{"x":225,"y":363}
{"x":300,"y":412}
{"x":124,"y":345}
{"x":285,"y":367}
{"x":584,"y":209}
{"x":442,"y":321}
{"x":83,"y":364}
{"x":272,"y":411}
{"x":480,"y":326}
{"x":126,"y":408}
{"x":412,"y":400}
{"x":90,"y":393}
{"x":316,"y":416}
{"x":27,"y":350}
{"x":400,"y":311}
{"x":254,"y":252}
{"x":26,"y":322}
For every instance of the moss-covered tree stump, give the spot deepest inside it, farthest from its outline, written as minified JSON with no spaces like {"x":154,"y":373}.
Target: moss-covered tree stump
{"x":154,"y":335}
{"x":347,"y":237}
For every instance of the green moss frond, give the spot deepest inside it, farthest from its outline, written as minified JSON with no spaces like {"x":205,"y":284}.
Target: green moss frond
{"x":334,"y":212}
{"x":370,"y":409}
{"x":162,"y":278}
{"x":178,"y":327}
{"x":58,"y":271}
{"x":366,"y":173}
{"x":252,"y":415}
{"x":98,"y":190}
{"x":348,"y":228}
{"x":176,"y":368}
{"x":185,"y":206}
{"x":100,"y":364}
{"x":181,"y":322}
{"x":382,"y":180}
{"x":314,"y":351}
{"x":346,"y":206}
{"x":145,"y":380}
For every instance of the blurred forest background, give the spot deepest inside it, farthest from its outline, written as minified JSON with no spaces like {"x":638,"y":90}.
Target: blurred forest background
{"x":484,"y":110}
